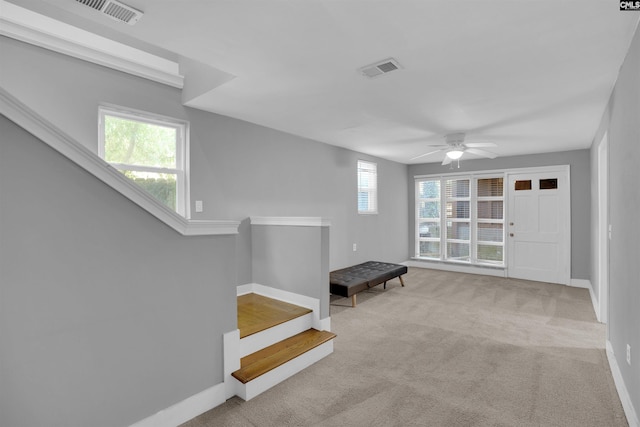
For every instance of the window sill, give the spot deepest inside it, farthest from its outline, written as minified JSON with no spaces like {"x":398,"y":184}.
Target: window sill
{"x":458,"y":266}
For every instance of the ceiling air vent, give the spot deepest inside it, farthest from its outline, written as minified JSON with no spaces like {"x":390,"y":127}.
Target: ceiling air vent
{"x":114,"y":10}
{"x":380,"y":68}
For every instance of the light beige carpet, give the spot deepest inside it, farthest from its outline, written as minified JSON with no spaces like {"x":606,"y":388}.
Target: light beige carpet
{"x":449,"y":349}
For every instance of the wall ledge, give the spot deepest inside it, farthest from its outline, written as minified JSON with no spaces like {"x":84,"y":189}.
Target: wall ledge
{"x":48,"y":133}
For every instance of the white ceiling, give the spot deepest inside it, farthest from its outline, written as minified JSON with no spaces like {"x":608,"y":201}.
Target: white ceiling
{"x":530,"y":75}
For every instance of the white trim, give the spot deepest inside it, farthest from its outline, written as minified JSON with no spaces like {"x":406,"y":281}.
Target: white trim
{"x":48,"y":133}
{"x":186,"y":410}
{"x":296,"y":221}
{"x":231,"y":360}
{"x":457,"y":267}
{"x":39,"y":30}
{"x":625,"y":398}
{"x":275,"y":376}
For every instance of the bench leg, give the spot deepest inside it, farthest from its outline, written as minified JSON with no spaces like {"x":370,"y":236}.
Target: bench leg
{"x":353,"y":300}
{"x":401,"y":281}
{"x":385,"y":285}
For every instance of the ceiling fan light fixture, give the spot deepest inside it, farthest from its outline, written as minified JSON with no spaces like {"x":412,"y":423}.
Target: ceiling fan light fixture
{"x":454,"y":154}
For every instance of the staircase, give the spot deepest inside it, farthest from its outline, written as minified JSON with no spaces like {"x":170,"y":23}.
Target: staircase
{"x":276,"y":341}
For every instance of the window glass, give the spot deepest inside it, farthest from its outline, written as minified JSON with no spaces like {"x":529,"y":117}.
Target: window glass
{"x":490,"y":187}
{"x":458,"y":251}
{"x":367,"y":187}
{"x":493,"y":209}
{"x":430,"y":249}
{"x":137,"y":143}
{"x":148,"y":149}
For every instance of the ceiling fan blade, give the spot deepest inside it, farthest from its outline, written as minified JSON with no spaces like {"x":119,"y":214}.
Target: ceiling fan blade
{"x":446,"y":160}
{"x":480,"y":144}
{"x":426,"y":154}
{"x":481,"y":153}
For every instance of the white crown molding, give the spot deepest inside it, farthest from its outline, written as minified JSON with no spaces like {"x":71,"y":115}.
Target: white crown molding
{"x":33,"y":28}
{"x":298,"y":221}
{"x":42,"y":129}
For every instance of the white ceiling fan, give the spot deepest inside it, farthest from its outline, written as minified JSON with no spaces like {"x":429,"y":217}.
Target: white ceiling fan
{"x":455,"y":147}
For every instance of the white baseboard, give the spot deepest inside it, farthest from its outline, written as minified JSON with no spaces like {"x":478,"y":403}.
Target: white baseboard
{"x":625,"y":398}
{"x":586,"y":284}
{"x":186,"y":410}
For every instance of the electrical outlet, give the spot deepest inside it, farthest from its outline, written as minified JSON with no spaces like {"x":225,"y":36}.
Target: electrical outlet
{"x":628,"y":354}
{"x":199,"y":207}
{"x":355,"y":247}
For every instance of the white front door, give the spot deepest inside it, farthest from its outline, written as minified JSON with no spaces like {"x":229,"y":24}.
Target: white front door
{"x":539,"y":226}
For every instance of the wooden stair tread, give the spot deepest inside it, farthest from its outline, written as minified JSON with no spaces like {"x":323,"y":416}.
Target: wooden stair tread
{"x":263,"y":361}
{"x":257,"y":313}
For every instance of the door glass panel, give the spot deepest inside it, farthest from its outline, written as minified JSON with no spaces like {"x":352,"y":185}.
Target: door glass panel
{"x":490,"y":187}
{"x":430,"y":229}
{"x":490,"y":253}
{"x":429,"y":189}
{"x":430,"y":249}
{"x":490,"y":233}
{"x":429,"y":209}
{"x":457,"y":188}
{"x":458,"y":251}
{"x":458,"y":209}
{"x":491,"y":209}
{"x":458,"y":230}
{"x":523,"y":185}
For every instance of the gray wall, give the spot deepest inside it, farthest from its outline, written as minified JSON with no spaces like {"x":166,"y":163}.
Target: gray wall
{"x":101,"y":324}
{"x":237,"y":169}
{"x":580,"y":195}
{"x":623,"y":126}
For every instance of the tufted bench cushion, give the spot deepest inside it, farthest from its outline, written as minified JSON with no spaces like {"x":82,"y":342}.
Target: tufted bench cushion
{"x":347,"y":282}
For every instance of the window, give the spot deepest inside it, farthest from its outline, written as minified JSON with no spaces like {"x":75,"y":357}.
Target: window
{"x":490,"y":220}
{"x":458,"y":219}
{"x":463,"y":223}
{"x":429,"y":210}
{"x":150,"y":150}
{"x":367,"y":187}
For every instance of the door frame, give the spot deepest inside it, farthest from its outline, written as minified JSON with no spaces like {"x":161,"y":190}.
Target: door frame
{"x":565,"y":222}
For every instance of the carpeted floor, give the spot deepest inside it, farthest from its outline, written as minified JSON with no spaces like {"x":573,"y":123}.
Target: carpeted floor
{"x":449,"y":349}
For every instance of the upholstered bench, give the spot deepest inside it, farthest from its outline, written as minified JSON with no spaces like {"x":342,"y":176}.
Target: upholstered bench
{"x":347,"y":282}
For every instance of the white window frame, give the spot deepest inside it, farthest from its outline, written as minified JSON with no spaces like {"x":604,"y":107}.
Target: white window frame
{"x":181,"y":170}
{"x":371,"y":188}
{"x":473,"y":220}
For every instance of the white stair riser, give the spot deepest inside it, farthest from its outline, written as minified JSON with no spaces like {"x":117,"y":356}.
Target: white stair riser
{"x":263,"y":339}
{"x":274,"y":377}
